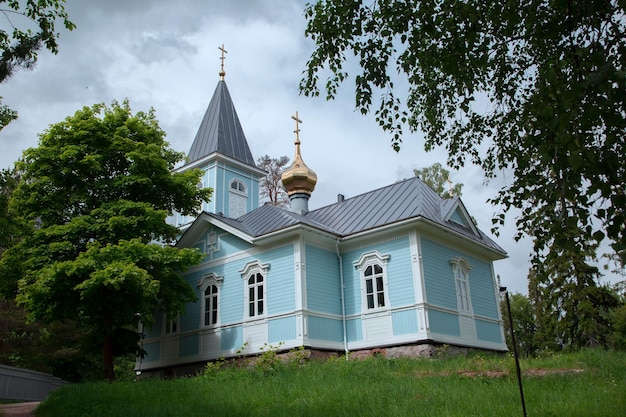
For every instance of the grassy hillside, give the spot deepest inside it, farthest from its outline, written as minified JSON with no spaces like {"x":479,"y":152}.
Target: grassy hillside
{"x":588,"y":383}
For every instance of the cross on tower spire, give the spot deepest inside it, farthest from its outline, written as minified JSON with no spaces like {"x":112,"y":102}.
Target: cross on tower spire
{"x":297,"y":131}
{"x":222,"y":58}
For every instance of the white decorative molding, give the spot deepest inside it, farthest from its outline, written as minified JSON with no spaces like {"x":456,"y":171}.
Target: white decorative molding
{"x":254,"y":266}
{"x":461,"y":262}
{"x":369,"y":257}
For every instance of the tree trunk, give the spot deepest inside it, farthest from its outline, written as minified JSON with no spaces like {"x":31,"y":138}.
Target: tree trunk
{"x":109,"y":372}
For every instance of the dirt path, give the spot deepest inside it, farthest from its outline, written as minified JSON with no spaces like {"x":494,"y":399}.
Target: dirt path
{"x":18,"y":409}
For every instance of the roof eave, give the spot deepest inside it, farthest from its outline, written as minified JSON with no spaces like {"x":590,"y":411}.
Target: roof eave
{"x":431,"y":225}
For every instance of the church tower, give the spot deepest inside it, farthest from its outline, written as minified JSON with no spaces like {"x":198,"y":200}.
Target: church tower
{"x":221,"y":150}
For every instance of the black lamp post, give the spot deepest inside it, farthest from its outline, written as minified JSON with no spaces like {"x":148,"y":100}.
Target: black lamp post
{"x":519,"y":373}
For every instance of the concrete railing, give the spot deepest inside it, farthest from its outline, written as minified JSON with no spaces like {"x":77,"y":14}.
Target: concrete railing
{"x":26,"y":385}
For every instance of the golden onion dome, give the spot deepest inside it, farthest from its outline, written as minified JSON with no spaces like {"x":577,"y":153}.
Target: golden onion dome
{"x":299,"y":178}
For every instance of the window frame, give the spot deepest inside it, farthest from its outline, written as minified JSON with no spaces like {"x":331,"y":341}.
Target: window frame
{"x":171,"y":325}
{"x":250,"y":271}
{"x":373,"y":259}
{"x":460,"y":273}
{"x":208,"y":281}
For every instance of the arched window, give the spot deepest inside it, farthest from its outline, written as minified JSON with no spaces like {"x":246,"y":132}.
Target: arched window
{"x":210,"y":287}
{"x":238,"y":185}
{"x":238,"y":199}
{"x":255,"y":275}
{"x":373,"y":269}
{"x":210,"y":305}
{"x":460,"y":269}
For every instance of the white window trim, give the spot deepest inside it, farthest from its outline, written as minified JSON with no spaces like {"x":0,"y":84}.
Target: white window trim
{"x":370,"y":259}
{"x":167,"y":325}
{"x":460,"y":271}
{"x":233,"y":190}
{"x":208,"y":280}
{"x":250,"y":269}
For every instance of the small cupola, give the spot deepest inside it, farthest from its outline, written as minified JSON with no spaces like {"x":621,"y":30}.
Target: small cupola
{"x":299,"y":180}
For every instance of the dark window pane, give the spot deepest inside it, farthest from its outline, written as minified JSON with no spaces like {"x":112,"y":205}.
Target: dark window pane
{"x":251,"y":294}
{"x":379,"y":284}
{"x":368,"y":271}
{"x":368,"y":286}
{"x":381,"y":299}
{"x":260,"y":307}
{"x":378,"y":269}
{"x":259,"y":278}
{"x":251,"y":310}
{"x":214,"y":318}
{"x":251,"y":280}
{"x":259,"y":292}
{"x":370,"y":301}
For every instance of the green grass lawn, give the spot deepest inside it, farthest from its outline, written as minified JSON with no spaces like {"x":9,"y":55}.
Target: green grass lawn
{"x":477,"y":385}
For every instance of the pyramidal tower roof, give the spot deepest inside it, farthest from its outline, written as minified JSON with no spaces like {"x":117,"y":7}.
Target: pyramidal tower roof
{"x":220,"y":130}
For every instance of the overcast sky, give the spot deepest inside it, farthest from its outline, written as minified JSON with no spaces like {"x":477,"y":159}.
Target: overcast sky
{"x":164,"y":54}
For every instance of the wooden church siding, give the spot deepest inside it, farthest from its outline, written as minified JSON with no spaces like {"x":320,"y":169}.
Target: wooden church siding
{"x":153,"y":352}
{"x":210,"y":343}
{"x":399,"y":272}
{"x":326,"y":329}
{"x":354,"y":328}
{"x":488,"y":331}
{"x":156,"y":328}
{"x":281,"y":330}
{"x":231,"y":339}
{"x":323,"y":287}
{"x":188,"y":345}
{"x":444,"y":323}
{"x":231,"y":292}
{"x":400,"y":291}
{"x":281,"y":286}
{"x":438,"y":275}
{"x":227,"y":244}
{"x":404,"y":322}
{"x":456,"y":217}
{"x":219,"y":190}
{"x":190,"y":319}
{"x":482,"y":291}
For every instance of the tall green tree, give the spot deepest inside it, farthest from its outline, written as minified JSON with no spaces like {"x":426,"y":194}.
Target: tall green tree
{"x":438,"y":178}
{"x":523,"y":324}
{"x":96,"y":192}
{"x":10,"y":232}
{"x":536,"y":88}
{"x":32,"y":26}
{"x":272,"y":186}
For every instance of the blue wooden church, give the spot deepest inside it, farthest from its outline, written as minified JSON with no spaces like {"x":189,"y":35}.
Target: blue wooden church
{"x":398,"y":268}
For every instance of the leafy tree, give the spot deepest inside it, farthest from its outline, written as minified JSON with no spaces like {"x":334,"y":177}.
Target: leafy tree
{"x":271,"y":186}
{"x":10,"y":232}
{"x":535,"y":87}
{"x":96,"y":192}
{"x":437,"y":177}
{"x":523,"y":324}
{"x":571,"y":310}
{"x":7,"y":115}
{"x":33,"y":26}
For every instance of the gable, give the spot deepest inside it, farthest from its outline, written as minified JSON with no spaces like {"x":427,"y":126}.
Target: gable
{"x":454,"y":211}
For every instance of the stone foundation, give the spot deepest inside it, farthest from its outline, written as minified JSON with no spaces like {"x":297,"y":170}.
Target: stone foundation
{"x":426,"y":350}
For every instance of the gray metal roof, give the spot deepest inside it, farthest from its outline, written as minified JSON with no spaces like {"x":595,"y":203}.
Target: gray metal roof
{"x":220,"y":130}
{"x":404,"y":200}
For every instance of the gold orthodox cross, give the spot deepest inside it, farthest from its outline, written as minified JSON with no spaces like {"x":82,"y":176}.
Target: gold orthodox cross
{"x":224,"y":51}
{"x":297,"y":131}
